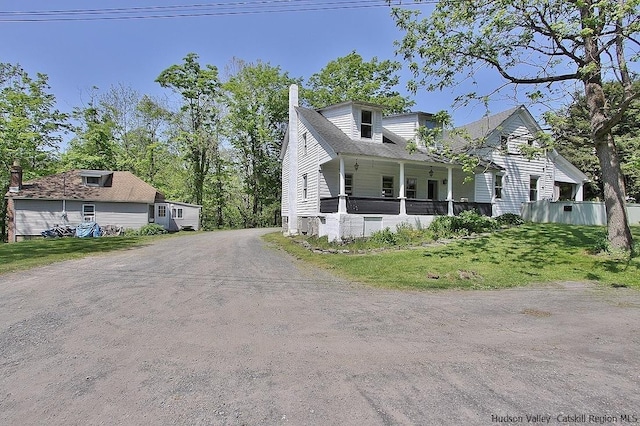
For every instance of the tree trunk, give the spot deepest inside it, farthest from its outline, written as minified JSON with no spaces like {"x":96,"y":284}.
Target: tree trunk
{"x":619,"y":233}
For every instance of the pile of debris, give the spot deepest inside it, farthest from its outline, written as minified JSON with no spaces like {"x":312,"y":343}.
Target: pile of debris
{"x":84,"y":230}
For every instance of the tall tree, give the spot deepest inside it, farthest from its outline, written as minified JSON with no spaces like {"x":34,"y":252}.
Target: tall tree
{"x":120,"y":104}
{"x":571,"y":132}
{"x":257,"y":109}
{"x":200,"y":90}
{"x":94,"y":146}
{"x":30,"y":127}
{"x":148,"y":140}
{"x":351,"y":78}
{"x":541,"y":44}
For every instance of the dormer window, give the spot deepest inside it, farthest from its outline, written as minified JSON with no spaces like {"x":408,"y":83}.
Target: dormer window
{"x":504,"y":142}
{"x":366,"y":124}
{"x":91,"y":180}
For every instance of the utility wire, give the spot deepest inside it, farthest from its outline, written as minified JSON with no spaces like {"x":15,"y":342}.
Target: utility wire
{"x":196,"y":10}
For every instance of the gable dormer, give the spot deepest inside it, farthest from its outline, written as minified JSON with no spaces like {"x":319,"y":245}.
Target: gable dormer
{"x":407,"y":125}
{"x":96,"y":178}
{"x":361,"y":121}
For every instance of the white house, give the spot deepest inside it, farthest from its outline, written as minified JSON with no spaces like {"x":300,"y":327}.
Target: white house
{"x":116,"y":198}
{"x":347,"y":172}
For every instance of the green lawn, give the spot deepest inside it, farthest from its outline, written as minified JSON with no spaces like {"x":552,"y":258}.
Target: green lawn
{"x":28,"y":254}
{"x":531,"y":253}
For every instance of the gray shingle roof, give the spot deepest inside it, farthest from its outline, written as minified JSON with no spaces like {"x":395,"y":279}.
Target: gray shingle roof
{"x":120,"y":187}
{"x":481,"y":128}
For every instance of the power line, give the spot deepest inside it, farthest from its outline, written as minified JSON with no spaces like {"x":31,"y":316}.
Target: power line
{"x":195,"y":10}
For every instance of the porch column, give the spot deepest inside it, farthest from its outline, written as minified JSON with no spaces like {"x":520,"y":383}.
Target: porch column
{"x":403,"y":197}
{"x":342,"y":197}
{"x":450,"y":190}
{"x":580,"y":192}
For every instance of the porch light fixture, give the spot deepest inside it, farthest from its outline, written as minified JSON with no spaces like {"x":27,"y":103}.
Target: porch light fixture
{"x":431,"y":172}
{"x":444,"y":181}
{"x":355,"y":166}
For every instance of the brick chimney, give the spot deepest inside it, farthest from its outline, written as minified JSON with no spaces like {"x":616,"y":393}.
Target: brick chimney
{"x":15,"y":184}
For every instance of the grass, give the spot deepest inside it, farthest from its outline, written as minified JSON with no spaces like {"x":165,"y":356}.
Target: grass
{"x":531,"y":253}
{"x":40,"y":252}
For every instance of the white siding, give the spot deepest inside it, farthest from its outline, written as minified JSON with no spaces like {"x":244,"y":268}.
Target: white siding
{"x":190,"y":216}
{"x":377,"y":124}
{"x":330,"y":179}
{"x":518,"y":169}
{"x":484,"y":187}
{"x":35,"y":216}
{"x":342,"y":118}
{"x":307,"y":164}
{"x":404,"y":125}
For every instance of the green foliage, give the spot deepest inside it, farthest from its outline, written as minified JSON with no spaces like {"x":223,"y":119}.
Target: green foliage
{"x":384,"y":237}
{"x":350,"y":78}
{"x":572,"y":130}
{"x":509,"y":219}
{"x":148,"y":229}
{"x":257,"y":114}
{"x":200,"y":90}
{"x":94,"y":146}
{"x":544,"y":45}
{"x":30,"y":128}
{"x":467,"y":223}
{"x":527,"y":254}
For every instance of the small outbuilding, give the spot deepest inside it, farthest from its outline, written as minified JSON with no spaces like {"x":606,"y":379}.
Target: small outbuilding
{"x":117,"y":198}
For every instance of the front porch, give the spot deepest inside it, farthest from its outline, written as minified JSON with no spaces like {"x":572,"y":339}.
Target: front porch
{"x":386,"y":206}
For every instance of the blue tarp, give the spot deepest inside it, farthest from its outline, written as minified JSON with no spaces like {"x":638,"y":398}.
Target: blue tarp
{"x":88,"y":229}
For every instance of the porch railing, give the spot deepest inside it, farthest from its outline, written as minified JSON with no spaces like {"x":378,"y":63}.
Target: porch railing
{"x":362,"y":205}
{"x":391,"y":206}
{"x":427,"y":207}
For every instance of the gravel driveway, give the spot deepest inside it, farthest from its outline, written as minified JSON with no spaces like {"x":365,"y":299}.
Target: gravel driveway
{"x":217,"y":328}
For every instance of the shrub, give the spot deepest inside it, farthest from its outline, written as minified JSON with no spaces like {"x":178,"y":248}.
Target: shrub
{"x":151,"y":229}
{"x":442,"y":226}
{"x":509,"y":219}
{"x":601,"y":244}
{"x":468,"y":222}
{"x":384,"y":237}
{"x":474,"y":222}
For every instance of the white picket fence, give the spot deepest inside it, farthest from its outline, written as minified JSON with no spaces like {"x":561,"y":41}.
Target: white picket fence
{"x":573,"y":212}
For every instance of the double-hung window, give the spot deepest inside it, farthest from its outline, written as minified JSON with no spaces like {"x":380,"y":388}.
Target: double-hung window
{"x":366,"y":124}
{"x":387,"y":186}
{"x":162,"y":211}
{"x":497,"y":187}
{"x":411,"y":188}
{"x":348,"y":184}
{"x":304,"y":186}
{"x":176,"y":213}
{"x":533,"y":188}
{"x":89,"y":212}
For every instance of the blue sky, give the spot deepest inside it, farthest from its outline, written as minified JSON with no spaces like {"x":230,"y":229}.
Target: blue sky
{"x":77,"y":55}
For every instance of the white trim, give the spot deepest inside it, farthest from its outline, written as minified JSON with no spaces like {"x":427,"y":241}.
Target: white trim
{"x":86,"y":215}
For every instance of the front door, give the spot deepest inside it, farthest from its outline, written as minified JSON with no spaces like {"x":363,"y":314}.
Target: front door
{"x":432,"y":189}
